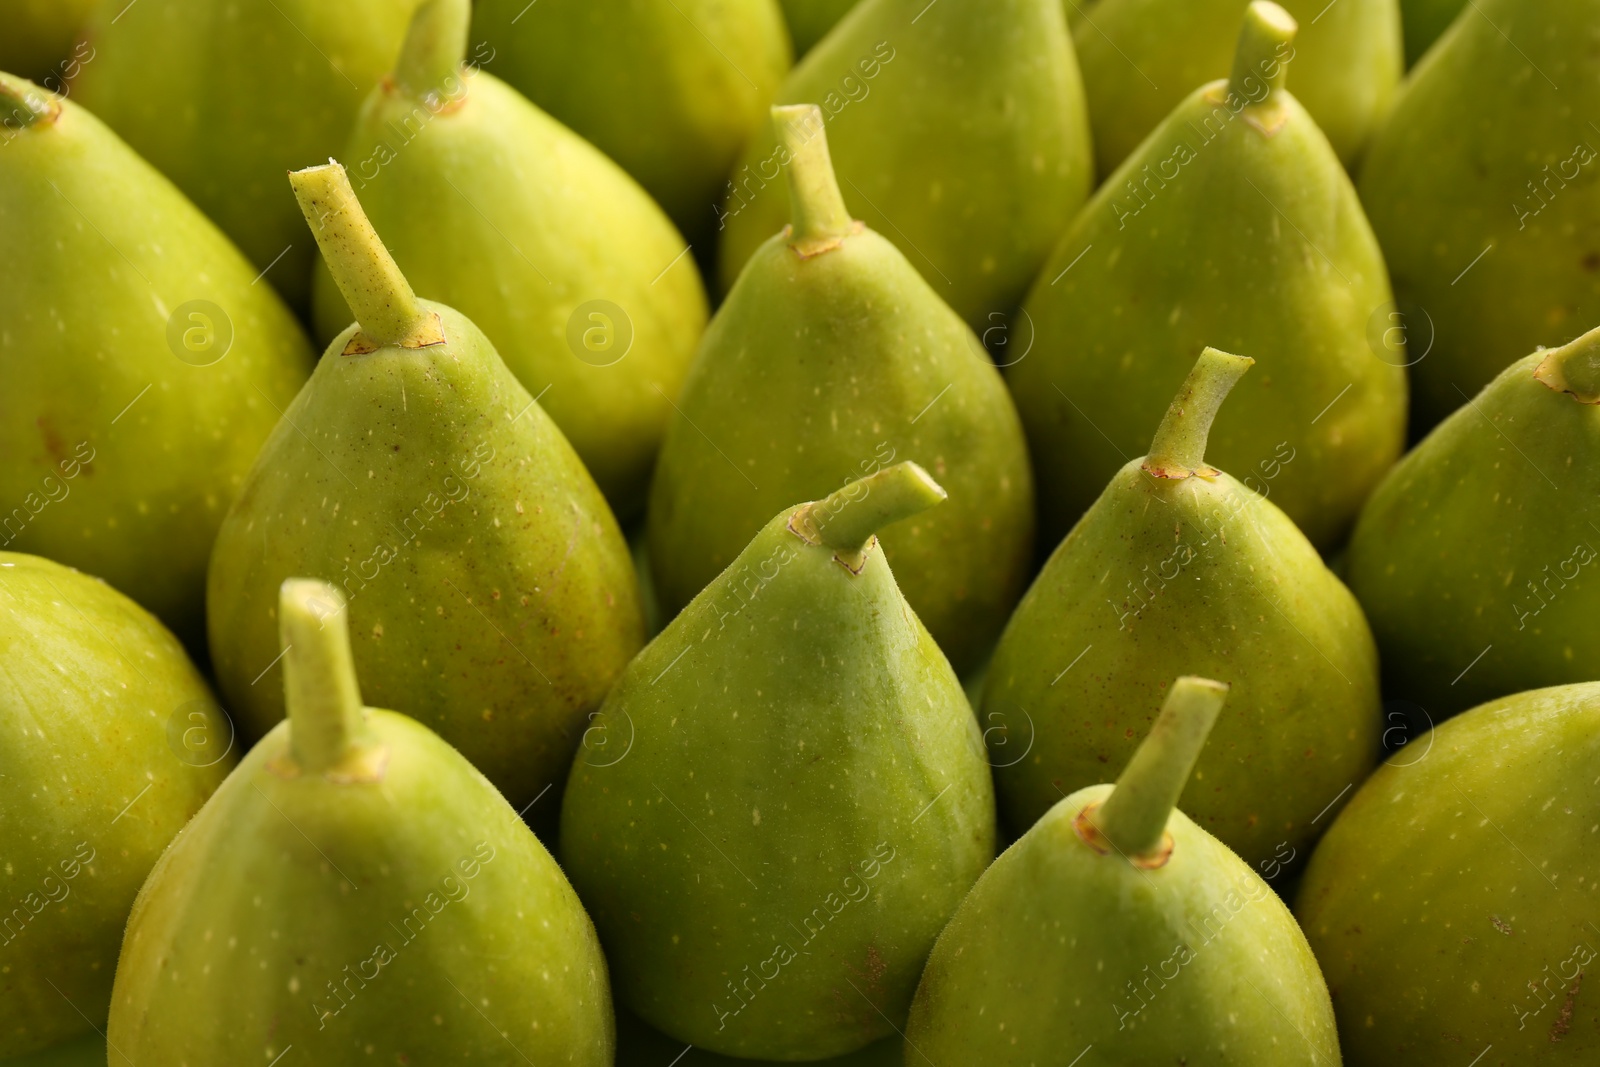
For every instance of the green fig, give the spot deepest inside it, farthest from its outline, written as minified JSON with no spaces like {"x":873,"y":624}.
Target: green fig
{"x":223,"y":98}
{"x":1234,"y":226}
{"x":86,"y":1051}
{"x":669,"y":90}
{"x":785,"y":796}
{"x":359,"y":892}
{"x":492,"y":207}
{"x":1425,"y":22}
{"x":639,"y":1045}
{"x":959,"y":130}
{"x":1141,"y":59}
{"x":491,"y":590}
{"x":142,"y":366}
{"x":1180,"y":565}
{"x":810,"y":20}
{"x":1117,"y":924}
{"x":1451,"y":905}
{"x":1491,"y":237}
{"x":830,"y":356}
{"x":109,"y":742}
{"x":1471,"y":559}
{"x":41,"y":39}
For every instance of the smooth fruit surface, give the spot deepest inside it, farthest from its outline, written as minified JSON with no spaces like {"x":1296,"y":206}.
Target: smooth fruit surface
{"x":1475,"y":559}
{"x":357,"y":892}
{"x":1452,"y":904}
{"x":959,"y":132}
{"x":1233,"y":226}
{"x":494,"y":208}
{"x":670,"y":91}
{"x":1492,"y":237}
{"x":1193,"y":572}
{"x":1425,"y":22}
{"x":40,"y":39}
{"x":142,"y":368}
{"x":109,"y":742}
{"x":1141,"y":58}
{"x":810,"y":20}
{"x":263,"y":86}
{"x":783,"y":799}
{"x":1117,"y":928}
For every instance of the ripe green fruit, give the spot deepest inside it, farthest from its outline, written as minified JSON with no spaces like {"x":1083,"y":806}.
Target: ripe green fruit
{"x":492,"y":207}
{"x":1491,"y":237}
{"x":1233,"y":226}
{"x":1178,"y":565}
{"x":358,"y":892}
{"x":669,"y":90}
{"x":785,"y":796}
{"x":1142,"y":58}
{"x":40,"y":39}
{"x":1473,"y":559}
{"x":810,"y":20}
{"x":1425,"y":22}
{"x":959,"y":130}
{"x":1117,"y":924}
{"x":1450,"y":905}
{"x":492,"y":594}
{"x":109,"y":742}
{"x":831,"y":357}
{"x":262,"y":86}
{"x":142,"y":368}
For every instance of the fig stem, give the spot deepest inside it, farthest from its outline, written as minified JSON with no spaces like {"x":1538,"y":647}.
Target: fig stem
{"x":386,"y":308}
{"x":1260,"y":67}
{"x":435,"y":47}
{"x":818,"y":217}
{"x":1134,"y":817}
{"x":847,"y":519}
{"x":1574,"y":368}
{"x":23,"y":104}
{"x":1179,"y":447}
{"x":326,"y":719}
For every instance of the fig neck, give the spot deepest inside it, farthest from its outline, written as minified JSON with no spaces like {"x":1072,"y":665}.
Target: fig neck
{"x":849,"y":519}
{"x":1574,"y":369}
{"x":1178,"y":450}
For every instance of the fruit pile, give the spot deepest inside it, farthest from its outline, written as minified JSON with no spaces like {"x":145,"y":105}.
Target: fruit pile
{"x":1001,"y":622}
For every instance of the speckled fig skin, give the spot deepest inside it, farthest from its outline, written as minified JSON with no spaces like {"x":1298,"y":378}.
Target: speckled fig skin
{"x":1069,"y":941}
{"x":109,"y":742}
{"x":492,"y":207}
{"x":1253,"y":242}
{"x":831,"y":358}
{"x":1524,"y":182}
{"x":1348,"y":64}
{"x":1204,"y":575}
{"x":963,"y":138}
{"x":810,"y":20}
{"x":784,"y":797}
{"x":1475,"y":559}
{"x":1425,"y":22}
{"x":116,"y":456}
{"x":358,"y":893}
{"x":1452,"y":905}
{"x":671,"y":91}
{"x":491,"y":593}
{"x":263,"y":85}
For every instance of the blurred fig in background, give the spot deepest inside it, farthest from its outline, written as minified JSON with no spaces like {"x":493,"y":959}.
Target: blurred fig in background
{"x":670,"y":90}
{"x":494,"y":208}
{"x":1493,"y":238}
{"x":959,"y":133}
{"x":1141,"y":58}
{"x":142,"y":366}
{"x":223,"y":98}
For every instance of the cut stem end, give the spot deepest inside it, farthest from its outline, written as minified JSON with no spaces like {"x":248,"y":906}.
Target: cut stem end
{"x":818,"y":220}
{"x":386,"y":308}
{"x":848,"y":519}
{"x":23,"y":104}
{"x":1134,"y":818}
{"x":327,"y":724}
{"x":1574,"y":368}
{"x":1179,"y":447}
{"x":1261,"y":60}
